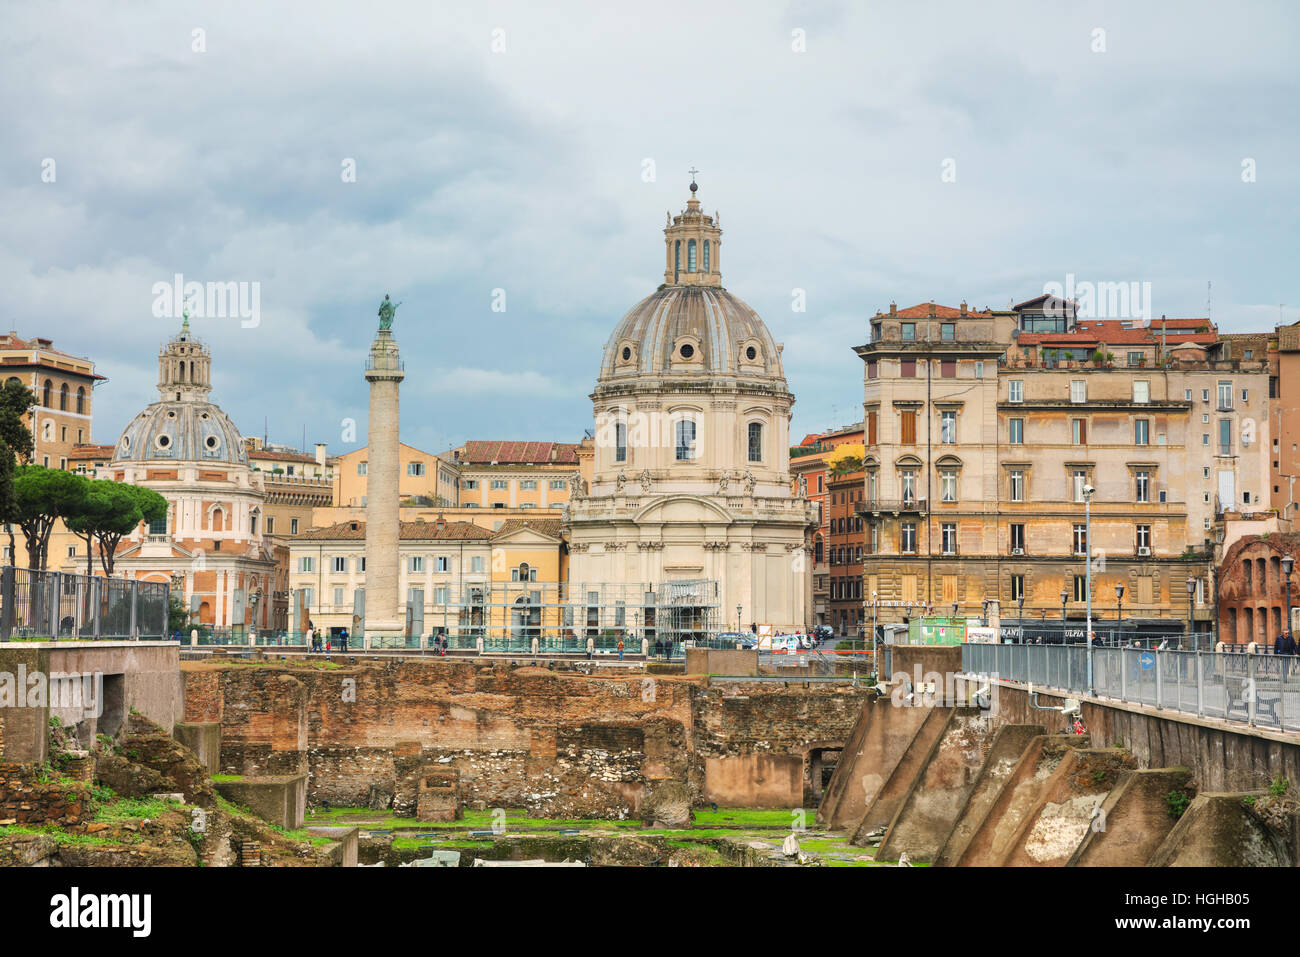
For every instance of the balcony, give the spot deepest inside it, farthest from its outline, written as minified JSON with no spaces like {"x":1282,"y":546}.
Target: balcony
{"x":900,"y":506}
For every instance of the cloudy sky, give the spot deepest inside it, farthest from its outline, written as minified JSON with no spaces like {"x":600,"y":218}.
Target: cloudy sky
{"x":859,"y":152}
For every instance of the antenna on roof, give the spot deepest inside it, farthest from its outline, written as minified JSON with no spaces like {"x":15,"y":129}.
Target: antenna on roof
{"x":1208,"y":285}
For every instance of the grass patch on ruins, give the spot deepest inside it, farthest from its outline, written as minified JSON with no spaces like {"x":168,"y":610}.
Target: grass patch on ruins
{"x":135,"y":809}
{"x":52,"y":831}
{"x":780,"y":818}
{"x":227,"y":777}
{"x":301,"y":836}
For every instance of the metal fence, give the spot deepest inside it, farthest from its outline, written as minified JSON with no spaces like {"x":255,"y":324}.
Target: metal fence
{"x":51,"y":605}
{"x":1260,"y":690}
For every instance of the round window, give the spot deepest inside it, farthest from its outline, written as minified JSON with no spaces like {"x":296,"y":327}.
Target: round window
{"x":164,"y":441}
{"x":688,"y":350}
{"x":211,"y":442}
{"x":627,"y":353}
{"x":171,"y":415}
{"x":751,"y":353}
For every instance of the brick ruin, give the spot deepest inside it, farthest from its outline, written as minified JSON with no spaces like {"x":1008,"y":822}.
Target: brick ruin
{"x":559,"y":743}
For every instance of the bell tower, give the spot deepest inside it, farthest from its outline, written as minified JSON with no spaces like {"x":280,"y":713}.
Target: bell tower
{"x":693,"y":240}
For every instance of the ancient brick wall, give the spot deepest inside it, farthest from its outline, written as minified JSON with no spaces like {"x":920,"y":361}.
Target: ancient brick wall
{"x":558,"y":743}
{"x":26,"y":800}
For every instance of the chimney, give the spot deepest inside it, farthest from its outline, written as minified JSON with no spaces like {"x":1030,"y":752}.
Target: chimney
{"x":893,"y":308}
{"x":931,"y":308}
{"x":320,"y":454}
{"x":963,"y":307}
{"x":442,"y":521}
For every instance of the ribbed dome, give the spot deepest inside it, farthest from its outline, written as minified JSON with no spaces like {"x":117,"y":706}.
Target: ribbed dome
{"x":685,"y":329}
{"x":181,"y":432}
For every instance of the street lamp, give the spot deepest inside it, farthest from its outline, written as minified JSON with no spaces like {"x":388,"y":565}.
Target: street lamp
{"x":1020,"y":620}
{"x":1191,"y":614}
{"x":875,"y":643}
{"x":738,"y":618}
{"x":1064,"y":595}
{"x":1119,"y":614}
{"x":1287,"y":564}
{"x":1088,"y":491}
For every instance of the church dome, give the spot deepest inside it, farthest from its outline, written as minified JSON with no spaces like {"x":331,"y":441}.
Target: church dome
{"x":181,"y":432}
{"x":691,"y":324}
{"x":684,"y":329}
{"x":184,"y":425}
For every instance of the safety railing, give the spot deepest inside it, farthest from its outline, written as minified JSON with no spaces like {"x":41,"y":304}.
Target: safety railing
{"x":1257,"y":689}
{"x":63,"y":605}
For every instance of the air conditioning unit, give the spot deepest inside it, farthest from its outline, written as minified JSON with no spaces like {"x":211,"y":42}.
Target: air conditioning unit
{"x":1144,"y":552}
{"x":1017,"y":551}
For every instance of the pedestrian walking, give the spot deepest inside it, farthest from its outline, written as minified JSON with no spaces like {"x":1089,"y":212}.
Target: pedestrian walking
{"x":659,"y":647}
{"x":343,"y":640}
{"x":620,"y":649}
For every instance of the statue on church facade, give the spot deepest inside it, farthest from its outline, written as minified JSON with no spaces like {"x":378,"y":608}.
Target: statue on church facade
{"x":387,"y":310}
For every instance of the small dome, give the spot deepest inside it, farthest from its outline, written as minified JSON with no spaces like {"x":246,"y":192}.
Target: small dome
{"x":181,"y":432}
{"x":684,"y":329}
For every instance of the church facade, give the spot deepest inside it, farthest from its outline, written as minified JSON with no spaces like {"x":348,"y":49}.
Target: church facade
{"x":691,"y":472}
{"x":211,"y":546}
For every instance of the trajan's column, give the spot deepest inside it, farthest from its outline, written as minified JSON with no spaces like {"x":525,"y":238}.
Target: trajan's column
{"x":384,"y":373}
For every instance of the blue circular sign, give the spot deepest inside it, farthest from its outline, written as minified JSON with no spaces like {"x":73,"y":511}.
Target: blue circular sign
{"x":1147,"y":660}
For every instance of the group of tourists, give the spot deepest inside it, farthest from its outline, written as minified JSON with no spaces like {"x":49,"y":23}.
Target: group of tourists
{"x":319,"y":641}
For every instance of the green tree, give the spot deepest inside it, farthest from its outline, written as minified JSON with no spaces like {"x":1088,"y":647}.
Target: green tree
{"x":16,"y":447}
{"x":149,"y":507}
{"x":42,"y":496}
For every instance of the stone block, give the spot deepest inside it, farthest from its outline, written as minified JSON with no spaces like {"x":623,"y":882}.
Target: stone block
{"x":278,"y":799}
{"x":438,"y":798}
{"x":204,"y":739}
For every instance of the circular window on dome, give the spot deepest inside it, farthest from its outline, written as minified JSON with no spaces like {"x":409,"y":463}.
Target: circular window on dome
{"x":687,"y":350}
{"x":171,"y":415}
{"x":203,"y":415}
{"x":211,"y":442}
{"x":627,"y":353}
{"x":163,"y":441}
{"x":751,"y":353}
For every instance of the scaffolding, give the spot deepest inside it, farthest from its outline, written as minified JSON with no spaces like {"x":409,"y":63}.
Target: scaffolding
{"x":563,"y":616}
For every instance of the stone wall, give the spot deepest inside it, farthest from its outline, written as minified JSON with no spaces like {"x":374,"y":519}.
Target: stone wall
{"x":558,"y":743}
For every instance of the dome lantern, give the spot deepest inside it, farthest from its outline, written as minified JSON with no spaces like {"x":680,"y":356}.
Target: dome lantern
{"x":184,"y":367}
{"x":693,"y":240}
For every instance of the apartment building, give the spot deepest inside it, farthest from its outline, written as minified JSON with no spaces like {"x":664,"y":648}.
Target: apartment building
{"x":64,"y":386}
{"x":808,"y":462}
{"x":845,"y":543}
{"x":986,"y":431}
{"x":524,"y":475}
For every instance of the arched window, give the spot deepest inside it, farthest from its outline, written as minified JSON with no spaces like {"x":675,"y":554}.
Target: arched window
{"x":47,"y":394}
{"x":523,"y":573}
{"x":81,"y":399}
{"x":706,"y":255}
{"x":677,"y":259}
{"x":817,"y":550}
{"x":13,"y":380}
{"x":620,"y":442}
{"x":755,"y":442}
{"x":685,"y":435}
{"x":63,"y":397}
{"x":690,"y":255}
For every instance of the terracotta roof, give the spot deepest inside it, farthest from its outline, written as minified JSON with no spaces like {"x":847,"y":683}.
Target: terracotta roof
{"x":410,"y":531}
{"x":1122,"y":332}
{"x":922,"y":311}
{"x":812,"y":438}
{"x":547,"y":526}
{"x":92,"y":451}
{"x":519,"y":453}
{"x":280,"y":456}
